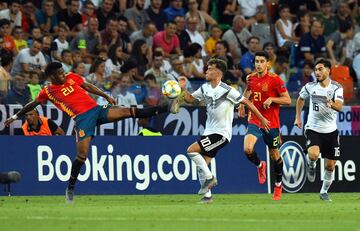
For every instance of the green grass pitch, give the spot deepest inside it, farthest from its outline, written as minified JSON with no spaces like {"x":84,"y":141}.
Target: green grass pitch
{"x":181,"y":212}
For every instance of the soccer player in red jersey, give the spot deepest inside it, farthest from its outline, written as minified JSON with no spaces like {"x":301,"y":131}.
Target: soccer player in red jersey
{"x":69,"y":93}
{"x":267,"y":92}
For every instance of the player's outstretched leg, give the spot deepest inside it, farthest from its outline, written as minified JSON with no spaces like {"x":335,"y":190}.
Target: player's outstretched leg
{"x":278,"y":179}
{"x":173,"y":107}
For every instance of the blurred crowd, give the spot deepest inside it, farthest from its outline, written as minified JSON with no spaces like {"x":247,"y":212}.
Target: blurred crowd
{"x":129,"y":48}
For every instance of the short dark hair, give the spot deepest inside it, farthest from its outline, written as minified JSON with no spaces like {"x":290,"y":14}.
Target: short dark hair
{"x":283,"y":6}
{"x":52,"y":67}
{"x":262,"y":54}
{"x":219,"y":63}
{"x":157,"y":54}
{"x":4,"y":21}
{"x":345,"y":26}
{"x":324,"y":62}
{"x":150,"y":77}
{"x":268,"y":44}
{"x":252,"y":37}
{"x":6,"y":58}
{"x":308,"y":63}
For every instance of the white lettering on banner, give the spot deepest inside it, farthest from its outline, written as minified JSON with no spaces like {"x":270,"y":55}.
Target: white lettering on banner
{"x":42,"y":162}
{"x":102,"y":167}
{"x":165,"y":176}
{"x":86,"y":175}
{"x":120,"y":160}
{"x":110,"y":150}
{"x":185,"y":174}
{"x":98,"y":165}
{"x":345,"y":171}
{"x":145,"y":175}
{"x":59,"y":161}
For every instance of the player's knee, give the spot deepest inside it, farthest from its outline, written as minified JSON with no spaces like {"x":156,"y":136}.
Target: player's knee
{"x":330,"y":166}
{"x":82,"y":155}
{"x":190,"y":150}
{"x":248,"y":151}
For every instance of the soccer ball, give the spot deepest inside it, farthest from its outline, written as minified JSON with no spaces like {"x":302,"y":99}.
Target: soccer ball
{"x":171,"y":89}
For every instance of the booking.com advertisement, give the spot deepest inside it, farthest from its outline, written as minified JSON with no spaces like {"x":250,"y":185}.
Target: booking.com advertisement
{"x":124,"y":165}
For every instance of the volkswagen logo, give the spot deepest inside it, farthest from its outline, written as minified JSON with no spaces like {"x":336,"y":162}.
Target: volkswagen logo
{"x":294,"y":168}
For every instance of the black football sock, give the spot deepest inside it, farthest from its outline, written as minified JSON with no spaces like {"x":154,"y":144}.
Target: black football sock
{"x":278,"y":170}
{"x":253,"y":158}
{"x":75,"y":170}
{"x":148,"y":112}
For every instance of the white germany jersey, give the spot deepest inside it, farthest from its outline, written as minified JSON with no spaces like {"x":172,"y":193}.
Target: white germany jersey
{"x":219,"y":103}
{"x":321,"y":118}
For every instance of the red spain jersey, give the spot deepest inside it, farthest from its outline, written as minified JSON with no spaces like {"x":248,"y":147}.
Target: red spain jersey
{"x":69,"y":97}
{"x":270,"y":85}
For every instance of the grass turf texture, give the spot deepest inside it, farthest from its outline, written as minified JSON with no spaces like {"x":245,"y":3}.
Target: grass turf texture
{"x":181,"y":212}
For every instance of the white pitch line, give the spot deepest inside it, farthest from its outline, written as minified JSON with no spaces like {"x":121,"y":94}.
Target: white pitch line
{"x":182,"y":219}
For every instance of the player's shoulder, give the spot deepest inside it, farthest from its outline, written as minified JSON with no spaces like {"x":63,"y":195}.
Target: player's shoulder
{"x":336,"y":84}
{"x":273,"y":75}
{"x":250,"y":76}
{"x":311,"y":84}
{"x":224,"y":86}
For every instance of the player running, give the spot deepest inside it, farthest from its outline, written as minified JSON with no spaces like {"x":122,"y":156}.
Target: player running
{"x":220,"y":100}
{"x":69,"y":94}
{"x":267,"y":93}
{"x":322,"y":136}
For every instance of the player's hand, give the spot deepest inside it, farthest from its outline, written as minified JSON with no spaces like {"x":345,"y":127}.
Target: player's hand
{"x":241,"y":111}
{"x":8,"y":121}
{"x":111,"y":100}
{"x":182,"y":82}
{"x":329,"y":103}
{"x":298,"y":123}
{"x":267,"y":103}
{"x":266,"y":124}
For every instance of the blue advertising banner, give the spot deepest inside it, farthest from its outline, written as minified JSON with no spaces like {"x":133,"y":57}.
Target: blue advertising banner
{"x":124,"y":165}
{"x":346,"y":177}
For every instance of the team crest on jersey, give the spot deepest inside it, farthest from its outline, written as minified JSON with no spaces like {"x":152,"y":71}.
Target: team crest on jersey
{"x":265,"y":87}
{"x":71,"y":82}
{"x":330,"y":94}
{"x":81,"y":133}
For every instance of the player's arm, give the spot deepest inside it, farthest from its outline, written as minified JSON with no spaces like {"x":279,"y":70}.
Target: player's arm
{"x":188,"y":98}
{"x":28,"y":107}
{"x":283,"y":99}
{"x":337,"y":105}
{"x":246,"y":94}
{"x":300,"y":102}
{"x":254,"y":110}
{"x":96,"y":91}
{"x":55,"y":129}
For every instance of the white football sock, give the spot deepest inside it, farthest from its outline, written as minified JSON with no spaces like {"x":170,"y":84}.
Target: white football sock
{"x":328,"y":179}
{"x":312,"y":163}
{"x":202,"y":179}
{"x":201,"y":164}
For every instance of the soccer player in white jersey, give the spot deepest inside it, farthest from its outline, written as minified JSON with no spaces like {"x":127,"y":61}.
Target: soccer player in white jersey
{"x":219,"y":99}
{"x":322,"y":136}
